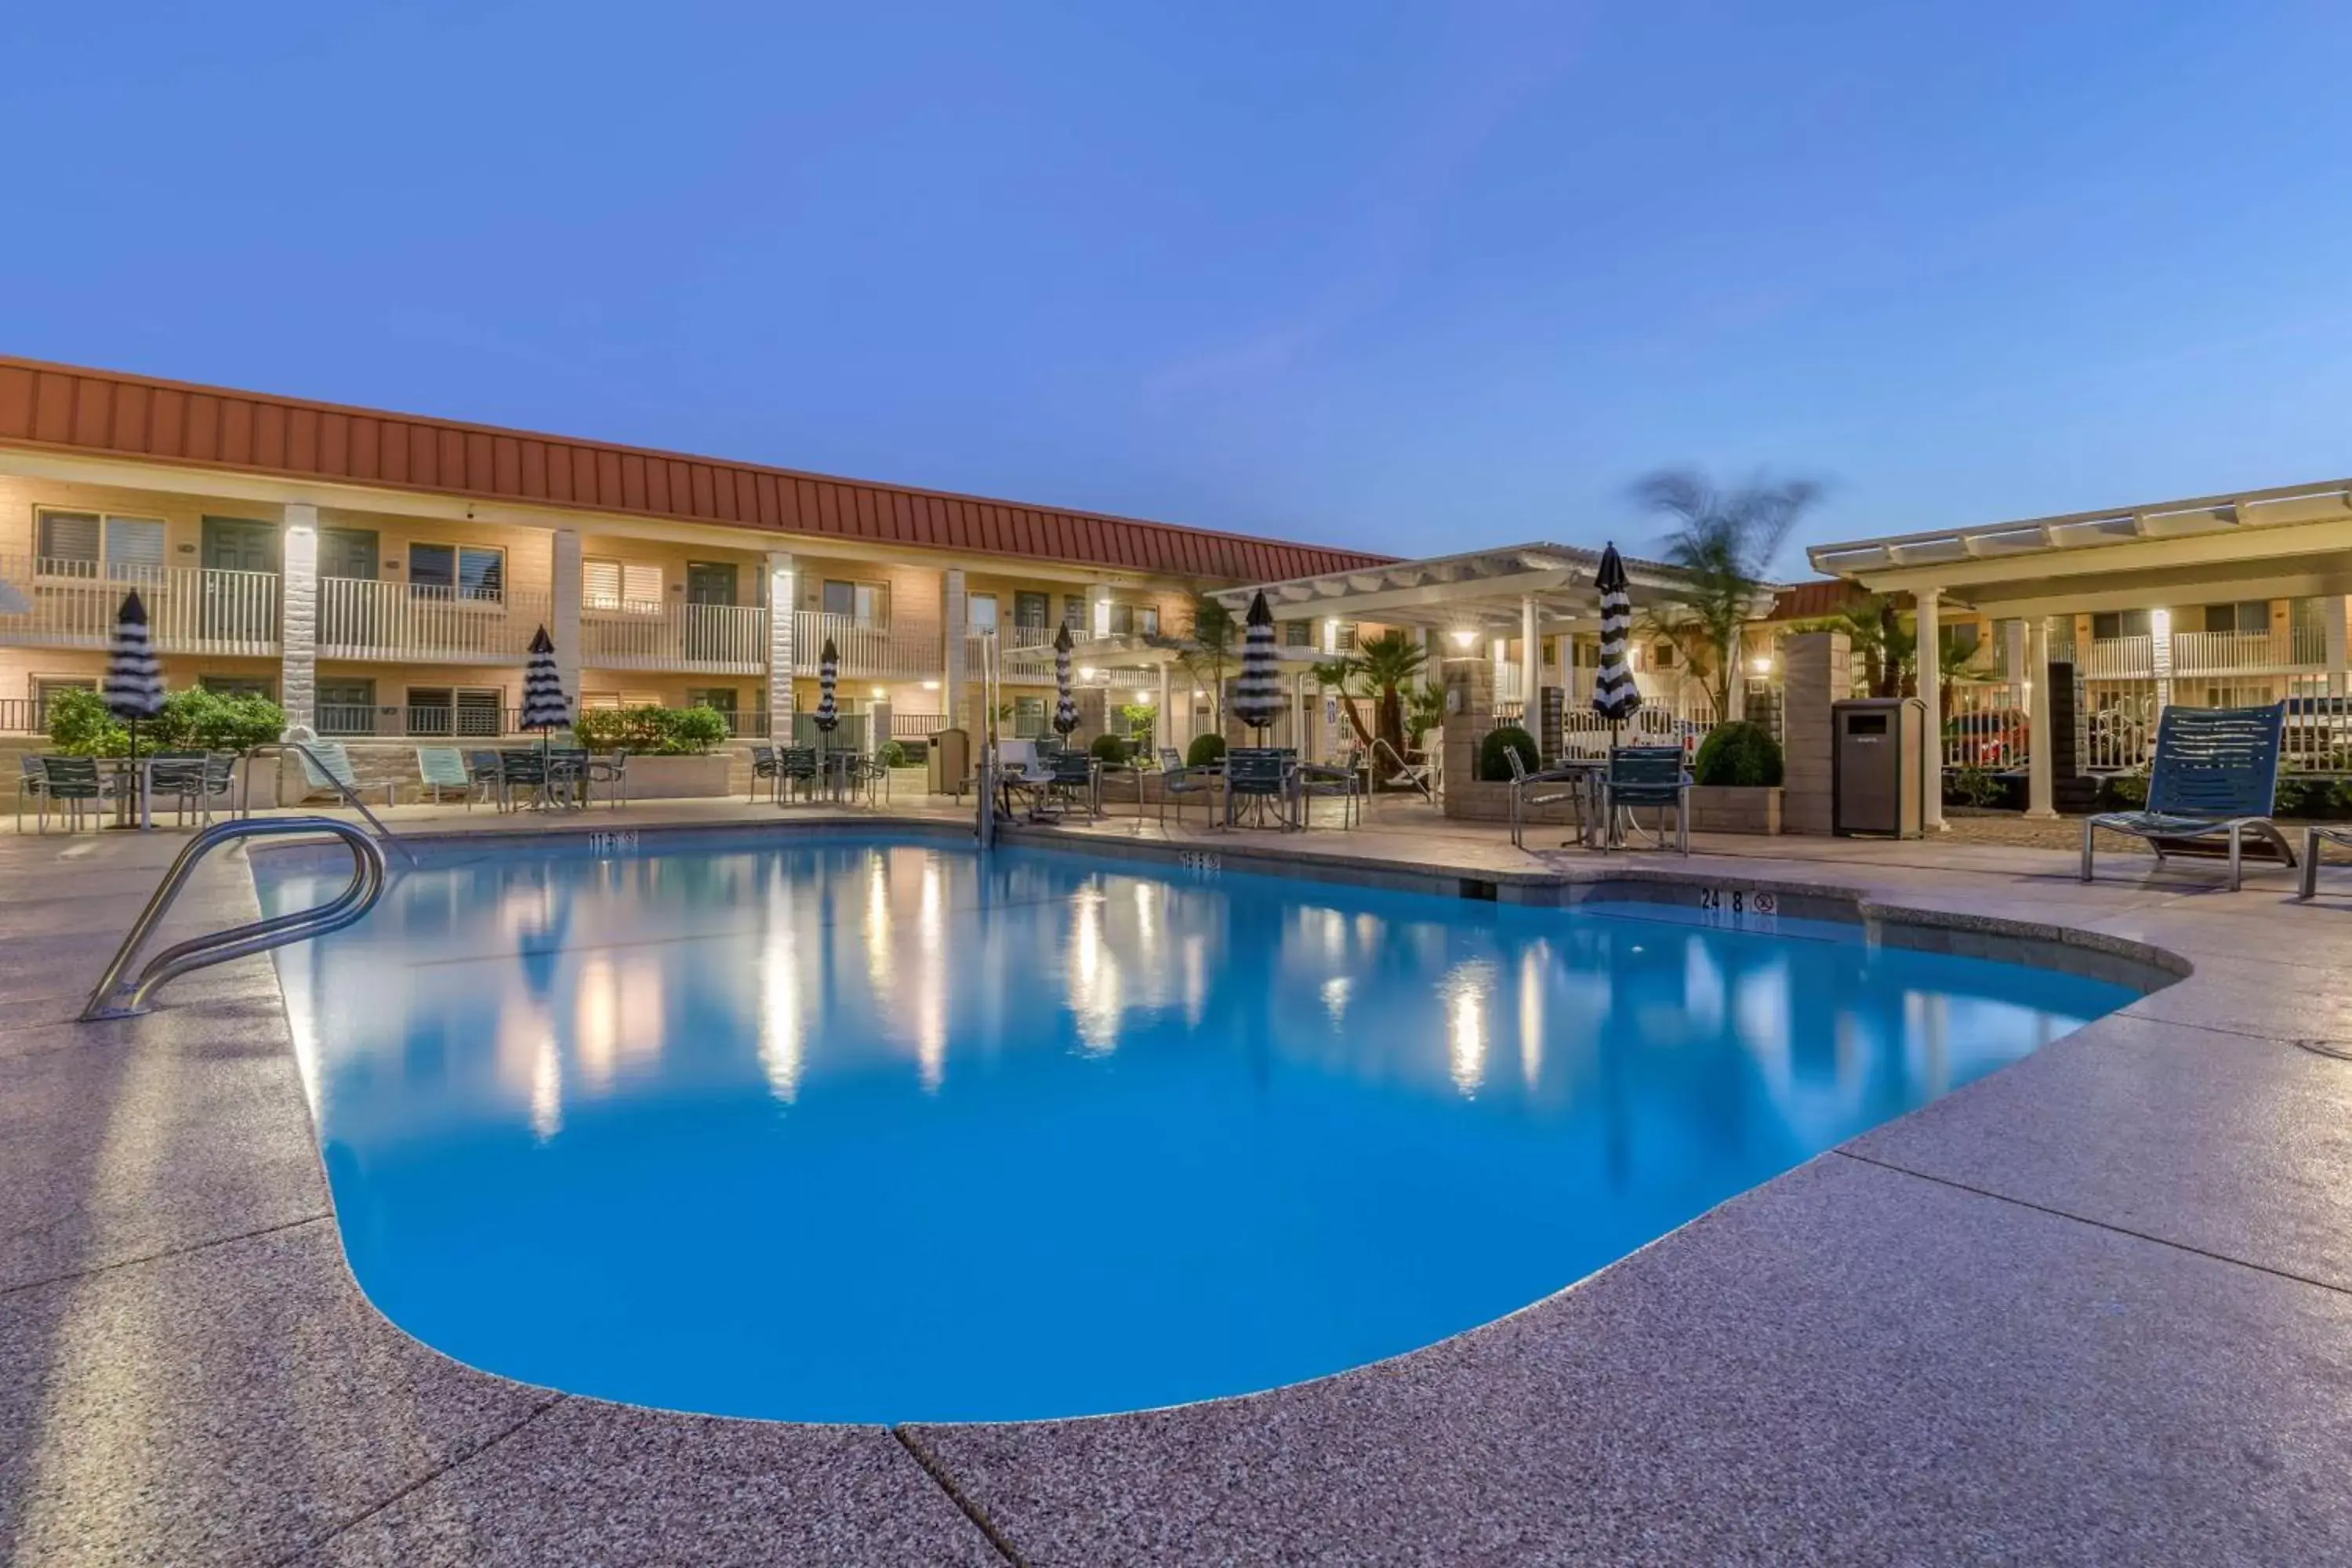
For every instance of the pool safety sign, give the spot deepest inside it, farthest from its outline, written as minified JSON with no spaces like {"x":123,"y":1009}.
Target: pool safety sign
{"x":1740,"y":908}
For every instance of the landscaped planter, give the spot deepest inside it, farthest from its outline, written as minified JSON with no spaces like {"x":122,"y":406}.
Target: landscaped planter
{"x":1477,"y":800}
{"x":652,"y":777}
{"x":1735,"y":808}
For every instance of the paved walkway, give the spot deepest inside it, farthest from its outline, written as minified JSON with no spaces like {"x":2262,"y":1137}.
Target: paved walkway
{"x":2095,"y":1307}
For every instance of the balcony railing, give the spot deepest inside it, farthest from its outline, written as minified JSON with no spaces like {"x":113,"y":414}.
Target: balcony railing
{"x":717,"y":639}
{"x":868,"y":651}
{"x":2223,"y":653}
{"x":367,"y":620}
{"x":2118,"y":658}
{"x":190,"y":609}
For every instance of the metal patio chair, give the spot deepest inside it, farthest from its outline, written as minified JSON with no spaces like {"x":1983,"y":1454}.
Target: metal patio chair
{"x":1646,"y":775}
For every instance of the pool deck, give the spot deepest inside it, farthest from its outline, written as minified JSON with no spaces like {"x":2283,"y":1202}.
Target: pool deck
{"x":2097,"y":1307}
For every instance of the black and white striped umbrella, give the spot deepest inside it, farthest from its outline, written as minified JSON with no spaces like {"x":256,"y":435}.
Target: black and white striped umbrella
{"x":1066,"y":705}
{"x":134,"y":681}
{"x":1614,"y":696}
{"x":828,"y":677}
{"x":544,"y":706}
{"x":1257,"y":693}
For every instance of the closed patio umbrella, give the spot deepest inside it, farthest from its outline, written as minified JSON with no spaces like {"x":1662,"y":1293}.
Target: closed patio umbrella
{"x":1257,"y":691}
{"x":1614,"y":696}
{"x":134,"y":681}
{"x":1066,"y":705}
{"x":828,"y":679}
{"x":544,"y":706}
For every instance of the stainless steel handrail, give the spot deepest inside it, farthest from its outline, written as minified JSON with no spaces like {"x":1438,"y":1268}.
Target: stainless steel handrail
{"x":112,"y":999}
{"x":349,"y":796}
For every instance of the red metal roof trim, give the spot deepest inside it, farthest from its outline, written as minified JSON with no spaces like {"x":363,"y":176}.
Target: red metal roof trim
{"x":140,"y":417}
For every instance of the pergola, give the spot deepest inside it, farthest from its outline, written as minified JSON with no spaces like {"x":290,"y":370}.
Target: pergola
{"x":2294,"y":541}
{"x":1524,"y":591}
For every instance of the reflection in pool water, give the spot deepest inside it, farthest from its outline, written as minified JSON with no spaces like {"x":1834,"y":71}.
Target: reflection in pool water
{"x":855,"y":1130}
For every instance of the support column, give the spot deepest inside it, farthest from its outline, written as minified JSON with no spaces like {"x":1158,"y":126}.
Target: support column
{"x":1099,"y":610}
{"x":570,"y":584}
{"x":1817,"y":670}
{"x":1530,"y":663}
{"x":298,"y":621}
{"x":1163,"y":733}
{"x":878,"y":721}
{"x":1931,"y":695}
{"x":2041,"y":741}
{"x":784,"y":604}
{"x":2332,"y":612}
{"x":955,"y":610}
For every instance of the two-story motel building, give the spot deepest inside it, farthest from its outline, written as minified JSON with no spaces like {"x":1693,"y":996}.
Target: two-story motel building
{"x":382,"y":575}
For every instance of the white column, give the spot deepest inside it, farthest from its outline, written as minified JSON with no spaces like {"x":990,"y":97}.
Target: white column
{"x":1164,"y":732}
{"x":2040,"y":745}
{"x":954,"y":612}
{"x":1530,"y":664}
{"x":877,"y":720}
{"x":570,"y":585}
{"x":2014,"y":655}
{"x":1299,"y":735}
{"x":2331,"y":616}
{"x":1931,"y":809}
{"x":1099,"y":610}
{"x":298,"y":621}
{"x":783,"y":606}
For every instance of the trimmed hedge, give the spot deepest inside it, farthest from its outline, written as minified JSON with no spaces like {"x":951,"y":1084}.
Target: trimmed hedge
{"x":651,"y":730}
{"x":1110,"y":749}
{"x":1204,"y":750}
{"x":1494,"y":767}
{"x":1740,"y":754}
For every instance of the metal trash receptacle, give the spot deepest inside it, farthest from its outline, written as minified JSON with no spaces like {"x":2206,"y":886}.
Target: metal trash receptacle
{"x":1878,"y":774}
{"x":950,"y":762}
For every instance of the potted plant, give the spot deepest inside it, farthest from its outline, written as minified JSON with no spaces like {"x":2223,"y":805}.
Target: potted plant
{"x":1736,"y":781}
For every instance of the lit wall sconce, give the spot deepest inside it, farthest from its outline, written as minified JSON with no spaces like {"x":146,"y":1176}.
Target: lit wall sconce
{"x":1466,"y":640}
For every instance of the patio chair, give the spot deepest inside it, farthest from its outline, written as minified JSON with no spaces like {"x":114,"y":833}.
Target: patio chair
{"x":1170,"y":760}
{"x":1646,"y":775}
{"x":612,"y":770}
{"x":219,"y":780}
{"x":327,"y":769}
{"x":484,"y":771}
{"x":567,"y":775}
{"x":797,"y":765}
{"x":1072,"y":780}
{"x":521,"y":770}
{"x":1263,"y":776}
{"x":1180,"y":783}
{"x":1342,"y":781}
{"x":31,"y":784}
{"x":763,"y":766}
{"x":74,"y":785}
{"x":178,"y":776}
{"x":440,"y":769}
{"x":1528,"y":789}
{"x":2215,"y":777}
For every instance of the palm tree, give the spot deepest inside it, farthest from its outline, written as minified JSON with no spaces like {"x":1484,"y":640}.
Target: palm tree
{"x":1722,"y":543}
{"x":1380,"y":671}
{"x":1208,"y":649}
{"x":1889,"y":650}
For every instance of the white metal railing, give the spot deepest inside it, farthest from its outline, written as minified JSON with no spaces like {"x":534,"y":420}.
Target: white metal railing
{"x":2221,"y":653}
{"x":1985,"y":725}
{"x":190,"y":609}
{"x":2119,"y":724}
{"x":369,"y":620}
{"x":1508,"y":686}
{"x":727,"y":639}
{"x":2131,"y":658}
{"x":1587,"y":734}
{"x":867,"y":650}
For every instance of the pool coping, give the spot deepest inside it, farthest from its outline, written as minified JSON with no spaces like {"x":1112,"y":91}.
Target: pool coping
{"x":1036,"y":1491}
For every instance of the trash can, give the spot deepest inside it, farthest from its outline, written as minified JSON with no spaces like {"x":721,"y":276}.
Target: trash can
{"x":1878,"y":775}
{"x":950,"y":762}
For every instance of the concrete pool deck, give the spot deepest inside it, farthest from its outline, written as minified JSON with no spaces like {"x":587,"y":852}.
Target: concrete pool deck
{"x":2096,"y":1306}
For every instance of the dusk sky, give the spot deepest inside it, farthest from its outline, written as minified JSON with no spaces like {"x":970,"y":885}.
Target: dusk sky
{"x":1414,"y":278}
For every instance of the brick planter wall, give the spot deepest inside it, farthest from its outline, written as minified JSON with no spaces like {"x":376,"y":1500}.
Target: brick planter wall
{"x":1735,"y":808}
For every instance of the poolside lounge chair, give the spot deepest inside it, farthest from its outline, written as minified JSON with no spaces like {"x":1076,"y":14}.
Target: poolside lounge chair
{"x":440,"y":769}
{"x":1646,"y":775}
{"x":325,"y":766}
{"x":2215,"y":777}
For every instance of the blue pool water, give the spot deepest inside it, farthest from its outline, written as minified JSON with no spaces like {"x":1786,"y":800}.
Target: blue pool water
{"x":853,"y":1129}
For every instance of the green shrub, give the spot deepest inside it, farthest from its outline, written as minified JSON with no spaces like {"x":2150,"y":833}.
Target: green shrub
{"x":2125,"y":792}
{"x":2313,"y":799}
{"x":1740,"y":754}
{"x":1977,"y":787}
{"x":1204,"y":750}
{"x":1494,"y":766}
{"x":890,"y":755}
{"x":1110,"y":749}
{"x":651,"y":730}
{"x":2340,"y":798}
{"x":81,"y":726}
{"x":196,"y":720}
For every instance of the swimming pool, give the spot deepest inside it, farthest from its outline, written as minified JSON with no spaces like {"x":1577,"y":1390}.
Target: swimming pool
{"x":852,"y":1128}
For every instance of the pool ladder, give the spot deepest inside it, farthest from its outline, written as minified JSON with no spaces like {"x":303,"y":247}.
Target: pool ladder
{"x":115,"y":997}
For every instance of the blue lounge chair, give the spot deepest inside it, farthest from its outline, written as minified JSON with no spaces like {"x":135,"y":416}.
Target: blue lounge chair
{"x":2215,"y":777}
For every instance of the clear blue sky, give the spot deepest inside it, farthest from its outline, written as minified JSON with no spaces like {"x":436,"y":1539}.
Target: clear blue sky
{"x":1413,"y":277}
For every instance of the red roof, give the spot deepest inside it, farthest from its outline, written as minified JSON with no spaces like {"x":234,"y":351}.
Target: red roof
{"x":142,"y":418}
{"x":1816,"y":599}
